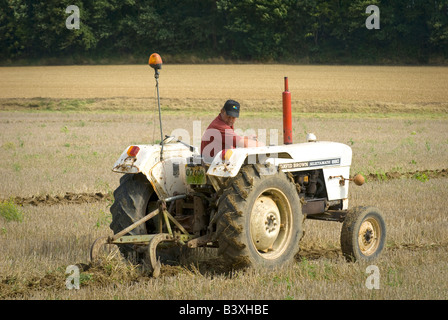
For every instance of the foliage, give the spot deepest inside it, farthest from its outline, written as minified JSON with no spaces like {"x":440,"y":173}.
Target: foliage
{"x":316,"y":31}
{"x":421,"y":176}
{"x":10,"y":212}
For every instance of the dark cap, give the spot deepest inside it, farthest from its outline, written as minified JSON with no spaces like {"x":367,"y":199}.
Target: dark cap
{"x":232,"y":108}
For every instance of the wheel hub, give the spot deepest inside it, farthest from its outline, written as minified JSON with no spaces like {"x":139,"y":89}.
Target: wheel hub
{"x":368,"y":236}
{"x":265,"y":223}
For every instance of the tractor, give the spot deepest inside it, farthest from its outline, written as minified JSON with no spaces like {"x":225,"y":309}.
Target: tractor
{"x":249,"y":203}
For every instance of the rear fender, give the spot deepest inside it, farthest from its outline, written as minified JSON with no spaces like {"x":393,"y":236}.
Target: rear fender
{"x":167,"y":177}
{"x":143,"y":161}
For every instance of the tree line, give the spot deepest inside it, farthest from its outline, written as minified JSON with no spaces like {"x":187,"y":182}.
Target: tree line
{"x":293,"y":31}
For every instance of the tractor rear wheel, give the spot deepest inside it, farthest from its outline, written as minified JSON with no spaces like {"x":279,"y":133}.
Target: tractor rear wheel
{"x":260,"y":220}
{"x":363,"y":234}
{"x":131,"y":204}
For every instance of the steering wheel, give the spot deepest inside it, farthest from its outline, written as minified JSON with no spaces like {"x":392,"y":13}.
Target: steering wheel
{"x":168,"y":139}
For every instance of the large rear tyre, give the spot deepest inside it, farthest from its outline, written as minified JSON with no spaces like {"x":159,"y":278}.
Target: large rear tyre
{"x":130,"y":205}
{"x":133,"y":202}
{"x":260,"y":220}
{"x":363,"y":234}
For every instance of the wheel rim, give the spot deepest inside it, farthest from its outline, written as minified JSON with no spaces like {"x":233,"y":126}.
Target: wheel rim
{"x":271,"y":223}
{"x":369,"y":236}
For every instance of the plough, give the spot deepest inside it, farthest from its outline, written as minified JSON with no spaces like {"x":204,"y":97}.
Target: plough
{"x":178,"y":236}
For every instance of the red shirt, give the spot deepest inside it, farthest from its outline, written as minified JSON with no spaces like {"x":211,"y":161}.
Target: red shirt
{"x":218,"y":136}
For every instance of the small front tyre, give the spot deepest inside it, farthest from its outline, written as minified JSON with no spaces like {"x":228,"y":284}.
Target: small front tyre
{"x":363,"y":234}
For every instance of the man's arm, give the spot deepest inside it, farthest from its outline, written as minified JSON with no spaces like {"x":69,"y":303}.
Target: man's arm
{"x":231,"y":138}
{"x":248,"y":142}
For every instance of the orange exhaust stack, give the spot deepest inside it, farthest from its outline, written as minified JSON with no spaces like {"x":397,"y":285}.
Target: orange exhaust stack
{"x":287,"y":115}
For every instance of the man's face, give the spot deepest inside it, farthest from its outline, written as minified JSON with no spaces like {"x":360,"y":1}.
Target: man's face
{"x":227,"y":119}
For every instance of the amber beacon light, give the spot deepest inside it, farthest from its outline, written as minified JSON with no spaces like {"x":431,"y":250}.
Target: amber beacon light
{"x":155,"y":61}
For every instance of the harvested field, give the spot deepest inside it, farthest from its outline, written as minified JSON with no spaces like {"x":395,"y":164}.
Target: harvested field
{"x":243,"y":82}
{"x":57,"y":152}
{"x":62,"y":128}
{"x":84,"y":197}
{"x":193,"y":88}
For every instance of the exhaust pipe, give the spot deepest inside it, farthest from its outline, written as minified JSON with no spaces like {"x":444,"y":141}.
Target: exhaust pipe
{"x":287,"y":115}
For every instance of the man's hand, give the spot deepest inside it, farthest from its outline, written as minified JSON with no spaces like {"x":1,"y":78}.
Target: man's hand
{"x":253,"y":137}
{"x":252,"y":141}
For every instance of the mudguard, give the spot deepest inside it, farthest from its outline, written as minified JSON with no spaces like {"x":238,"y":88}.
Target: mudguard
{"x":167,"y":176}
{"x":143,"y":161}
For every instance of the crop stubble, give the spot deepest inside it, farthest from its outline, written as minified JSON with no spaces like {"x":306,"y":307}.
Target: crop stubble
{"x":196,"y":88}
{"x":57,"y":165}
{"x":247,"y":82}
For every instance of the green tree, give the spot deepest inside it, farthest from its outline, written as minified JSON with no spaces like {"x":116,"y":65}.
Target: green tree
{"x":255,"y":29}
{"x":438,"y":28}
{"x":318,"y":31}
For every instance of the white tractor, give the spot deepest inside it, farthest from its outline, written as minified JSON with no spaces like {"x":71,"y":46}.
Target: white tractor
{"x":250,"y":203}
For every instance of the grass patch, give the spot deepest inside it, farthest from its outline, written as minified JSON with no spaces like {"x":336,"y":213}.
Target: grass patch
{"x":10,"y":211}
{"x":46,"y":104}
{"x":421,"y":177}
{"x":264,"y":109}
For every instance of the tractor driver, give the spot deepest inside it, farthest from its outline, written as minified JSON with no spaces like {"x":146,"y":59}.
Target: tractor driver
{"x":220,"y":134}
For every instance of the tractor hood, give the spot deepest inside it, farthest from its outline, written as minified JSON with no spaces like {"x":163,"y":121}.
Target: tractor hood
{"x":292,"y":157}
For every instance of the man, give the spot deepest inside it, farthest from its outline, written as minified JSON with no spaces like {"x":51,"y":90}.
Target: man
{"x":220,"y":133}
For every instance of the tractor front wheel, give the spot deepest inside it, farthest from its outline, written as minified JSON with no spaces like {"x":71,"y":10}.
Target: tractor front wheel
{"x":363,"y":234}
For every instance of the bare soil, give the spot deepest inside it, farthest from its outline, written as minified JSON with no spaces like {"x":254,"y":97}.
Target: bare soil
{"x":84,"y":197}
{"x":67,"y":198}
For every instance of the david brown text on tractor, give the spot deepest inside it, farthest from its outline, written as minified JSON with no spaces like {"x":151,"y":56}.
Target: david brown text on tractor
{"x":249,"y":203}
